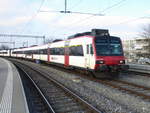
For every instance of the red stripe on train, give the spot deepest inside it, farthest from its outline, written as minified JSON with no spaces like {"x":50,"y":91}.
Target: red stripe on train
{"x":66,"y":63}
{"x":48,"y":55}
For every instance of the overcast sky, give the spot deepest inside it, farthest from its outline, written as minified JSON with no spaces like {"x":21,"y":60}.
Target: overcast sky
{"x":123,"y":18}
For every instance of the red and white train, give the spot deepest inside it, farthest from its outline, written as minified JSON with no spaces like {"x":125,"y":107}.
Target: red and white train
{"x":94,"y":51}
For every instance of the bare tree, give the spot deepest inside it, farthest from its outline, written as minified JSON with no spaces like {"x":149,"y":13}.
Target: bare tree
{"x":146,"y":34}
{"x":52,"y":40}
{"x":4,"y":47}
{"x":48,"y":41}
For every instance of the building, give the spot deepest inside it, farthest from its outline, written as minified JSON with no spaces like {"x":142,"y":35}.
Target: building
{"x":142,"y":47}
{"x":136,"y":48}
{"x":129,"y":51}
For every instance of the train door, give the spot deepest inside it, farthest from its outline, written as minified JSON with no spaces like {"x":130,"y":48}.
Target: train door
{"x":48,"y":54}
{"x":89,"y":56}
{"x":66,"y":53}
{"x":66,"y":63}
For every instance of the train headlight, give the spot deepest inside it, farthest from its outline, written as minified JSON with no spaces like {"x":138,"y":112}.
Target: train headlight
{"x":122,"y":61}
{"x":100,"y":62}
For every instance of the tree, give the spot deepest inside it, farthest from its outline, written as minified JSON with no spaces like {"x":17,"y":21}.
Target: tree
{"x":146,"y":34}
{"x":4,"y":47}
{"x":48,"y":41}
{"x":52,"y":40}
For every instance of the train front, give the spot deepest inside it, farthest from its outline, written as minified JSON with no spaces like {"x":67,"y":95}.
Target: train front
{"x":109,"y":55}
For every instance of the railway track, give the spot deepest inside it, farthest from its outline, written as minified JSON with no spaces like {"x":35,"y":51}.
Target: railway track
{"x":128,"y":87}
{"x":37,"y":103}
{"x":59,"y":98}
{"x":124,"y":86}
{"x":139,"y":73}
{"x":134,"y":89}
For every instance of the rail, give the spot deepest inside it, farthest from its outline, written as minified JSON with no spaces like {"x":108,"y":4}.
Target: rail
{"x":46,"y":103}
{"x":88,"y":107}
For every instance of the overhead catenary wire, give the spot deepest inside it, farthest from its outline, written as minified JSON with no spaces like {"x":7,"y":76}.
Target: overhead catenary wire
{"x":81,"y":20}
{"x":112,"y":6}
{"x":33,"y":16}
{"x":131,"y":20}
{"x":108,"y":8}
{"x":74,"y":6}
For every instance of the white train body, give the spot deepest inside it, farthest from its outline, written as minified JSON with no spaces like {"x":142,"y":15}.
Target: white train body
{"x":99,"y":52}
{"x":4,"y":52}
{"x":78,"y":56}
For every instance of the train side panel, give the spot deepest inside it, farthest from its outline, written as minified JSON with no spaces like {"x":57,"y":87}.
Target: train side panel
{"x":56,"y":52}
{"x":4,"y":52}
{"x":81,"y":58}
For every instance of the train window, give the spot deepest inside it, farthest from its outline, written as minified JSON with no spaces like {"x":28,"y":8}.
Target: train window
{"x":91,"y":49}
{"x":87,"y":49}
{"x":72,"y":51}
{"x":61,"y":51}
{"x":51,"y":51}
{"x":25,"y":52}
{"x":57,"y":51}
{"x":76,"y":51}
{"x":42,"y":51}
{"x":113,"y":47}
{"x":35,"y":51}
{"x":116,"y":49}
{"x":102,"y":39}
{"x":45,"y":51}
{"x":115,"y":40}
{"x":79,"y":50}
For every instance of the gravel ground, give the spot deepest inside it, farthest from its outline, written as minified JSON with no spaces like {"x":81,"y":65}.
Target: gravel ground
{"x":102,"y":97}
{"x":137,"y":79}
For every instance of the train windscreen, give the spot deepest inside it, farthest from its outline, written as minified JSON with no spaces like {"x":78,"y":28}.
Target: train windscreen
{"x":108,"y":46}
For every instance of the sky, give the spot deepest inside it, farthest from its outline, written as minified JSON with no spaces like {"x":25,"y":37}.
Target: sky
{"x":123,"y":18}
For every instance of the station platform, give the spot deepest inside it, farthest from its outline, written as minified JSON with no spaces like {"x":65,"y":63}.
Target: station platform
{"x":12,"y":96}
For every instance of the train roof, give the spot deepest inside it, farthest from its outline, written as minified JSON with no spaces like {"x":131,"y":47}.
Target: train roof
{"x":32,"y":48}
{"x":93,"y":32}
{"x":2,"y":50}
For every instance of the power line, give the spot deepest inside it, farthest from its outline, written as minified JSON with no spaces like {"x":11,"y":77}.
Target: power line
{"x":65,"y":6}
{"x":34,"y":15}
{"x":108,"y":8}
{"x":93,"y":14}
{"x":23,"y":36}
{"x":112,"y":6}
{"x":131,"y":20}
{"x":70,"y":12}
{"x":76,"y":4}
{"x":8,"y":43}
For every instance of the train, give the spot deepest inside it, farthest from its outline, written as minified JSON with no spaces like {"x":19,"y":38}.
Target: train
{"x":95,"y":52}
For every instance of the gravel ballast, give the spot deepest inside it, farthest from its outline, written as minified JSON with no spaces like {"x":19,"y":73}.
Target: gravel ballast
{"x":101,"y":96}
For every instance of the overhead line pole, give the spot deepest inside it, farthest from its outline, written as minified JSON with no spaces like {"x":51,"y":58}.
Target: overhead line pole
{"x":23,"y":36}
{"x":65,"y":6}
{"x":9,"y":43}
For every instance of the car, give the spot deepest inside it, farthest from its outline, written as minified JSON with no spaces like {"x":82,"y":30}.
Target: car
{"x":144,"y":61}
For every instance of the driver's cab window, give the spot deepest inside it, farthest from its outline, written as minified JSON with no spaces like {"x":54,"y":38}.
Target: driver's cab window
{"x":89,"y":49}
